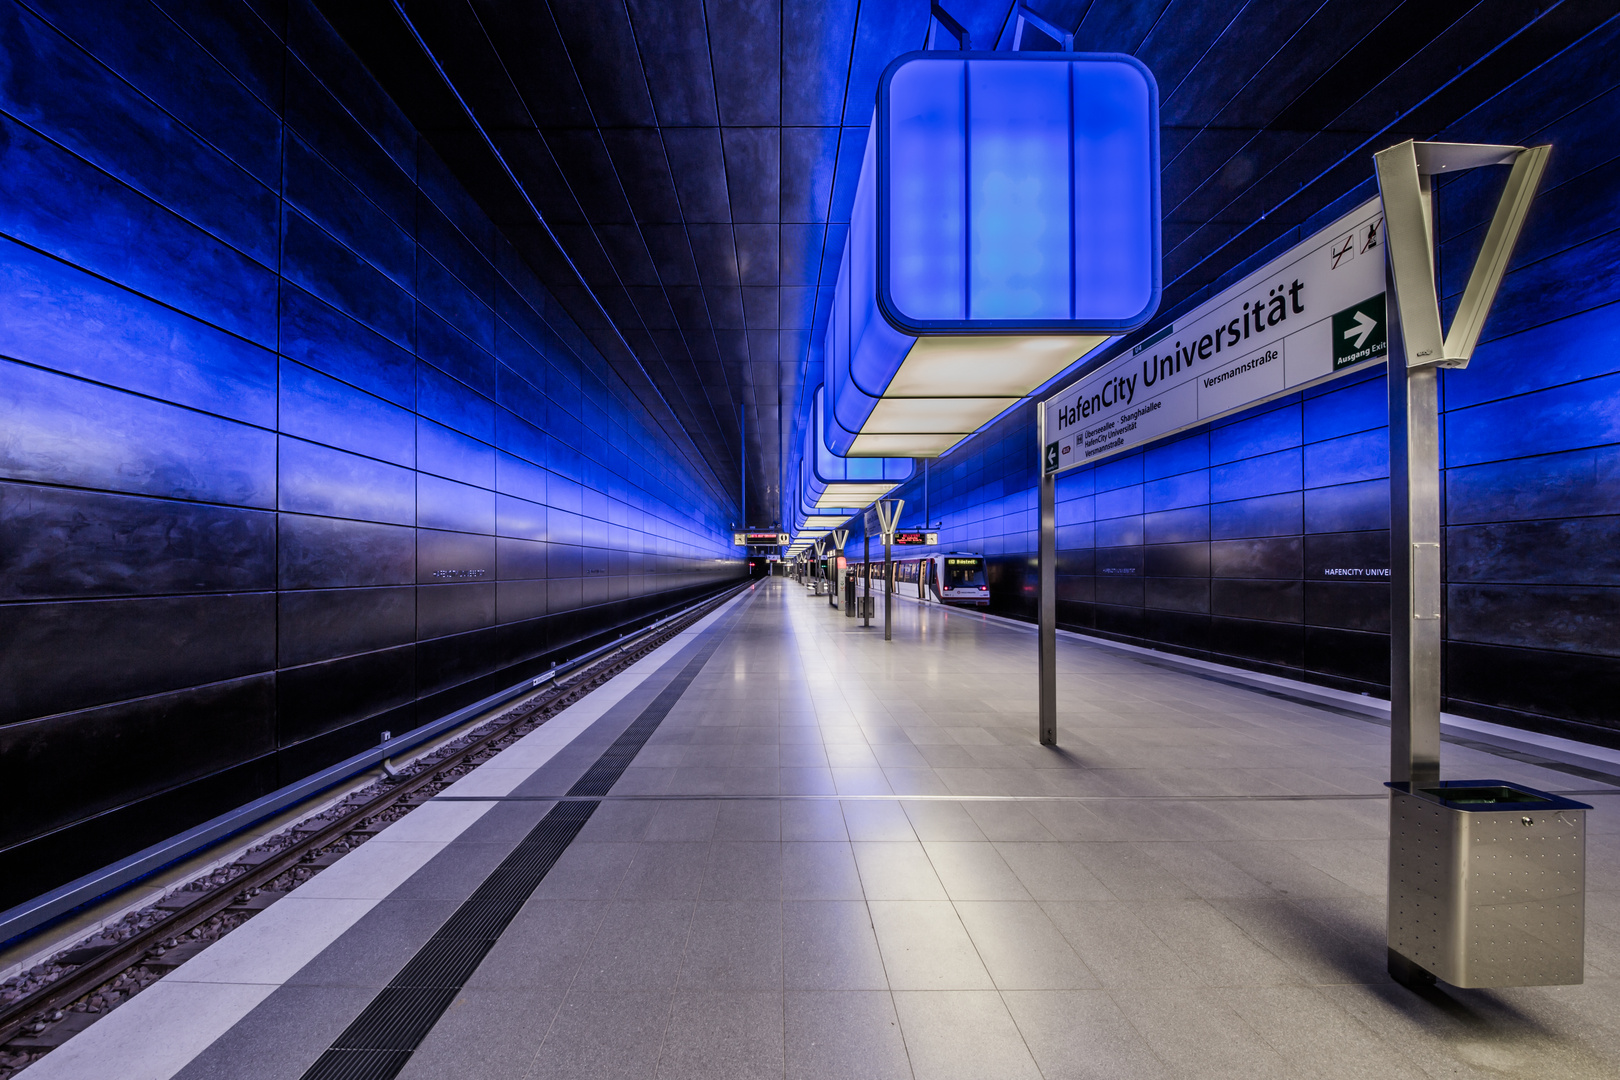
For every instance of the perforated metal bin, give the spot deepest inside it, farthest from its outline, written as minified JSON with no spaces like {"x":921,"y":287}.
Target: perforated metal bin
{"x":1487,"y":883}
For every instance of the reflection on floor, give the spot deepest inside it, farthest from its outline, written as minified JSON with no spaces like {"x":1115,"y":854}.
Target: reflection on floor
{"x":826,"y":862}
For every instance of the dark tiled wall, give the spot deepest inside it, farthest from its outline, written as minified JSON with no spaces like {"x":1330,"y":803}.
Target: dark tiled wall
{"x":1261,"y":540}
{"x":293,"y":450}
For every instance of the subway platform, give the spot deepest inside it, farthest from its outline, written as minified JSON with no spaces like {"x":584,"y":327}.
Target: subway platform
{"x":782,"y":847}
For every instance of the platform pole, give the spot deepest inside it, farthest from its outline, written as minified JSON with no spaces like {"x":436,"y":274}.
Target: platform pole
{"x":1413,"y":381}
{"x":866,"y":576}
{"x":888,"y":589}
{"x":1414,"y":574}
{"x":1046,"y":632}
{"x":1419,"y":345}
{"x":1414,"y":538}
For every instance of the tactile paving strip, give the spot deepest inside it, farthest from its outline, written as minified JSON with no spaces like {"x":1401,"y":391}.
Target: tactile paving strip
{"x":382,"y":1038}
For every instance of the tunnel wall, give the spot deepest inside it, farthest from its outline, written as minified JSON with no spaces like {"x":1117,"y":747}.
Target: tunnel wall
{"x":1258,"y":541}
{"x":293,"y":449}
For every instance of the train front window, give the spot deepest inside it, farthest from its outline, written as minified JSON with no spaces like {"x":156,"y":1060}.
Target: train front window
{"x":964,"y":573}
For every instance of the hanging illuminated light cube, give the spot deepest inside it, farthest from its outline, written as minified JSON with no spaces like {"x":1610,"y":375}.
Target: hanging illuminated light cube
{"x":832,"y":482}
{"x":809,"y":520}
{"x":1006,"y":222}
{"x":804,"y":514}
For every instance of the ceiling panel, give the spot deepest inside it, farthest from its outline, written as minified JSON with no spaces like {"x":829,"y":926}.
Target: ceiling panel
{"x":601,"y":50}
{"x":671,"y":253}
{"x":699,"y":166}
{"x":643,"y":172}
{"x":816,"y":40}
{"x":715,"y":250}
{"x":753,"y":173}
{"x":675,"y":59}
{"x":1230,"y":62}
{"x":748,"y":71}
{"x":758,"y":250}
{"x":551,"y":92}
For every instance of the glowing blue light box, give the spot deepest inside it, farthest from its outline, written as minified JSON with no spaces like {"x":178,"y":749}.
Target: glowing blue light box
{"x":1017,"y":191}
{"x":1006,"y":222}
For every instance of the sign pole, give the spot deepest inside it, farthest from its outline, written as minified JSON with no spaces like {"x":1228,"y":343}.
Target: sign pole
{"x":888,"y":514}
{"x":866,"y":576}
{"x":1047,"y":631}
{"x":1418,"y":347}
{"x":1414,"y":578}
{"x":888,"y":589}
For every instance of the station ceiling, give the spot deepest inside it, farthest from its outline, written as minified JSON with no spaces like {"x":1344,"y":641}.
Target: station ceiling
{"x":680,"y":172}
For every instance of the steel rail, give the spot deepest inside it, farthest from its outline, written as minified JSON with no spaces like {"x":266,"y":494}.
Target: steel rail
{"x":130,"y":952}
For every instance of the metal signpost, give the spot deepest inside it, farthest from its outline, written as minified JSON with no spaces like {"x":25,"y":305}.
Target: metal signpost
{"x":1404,"y":173}
{"x":1046,"y":608}
{"x":866,"y":572}
{"x":851,"y":600}
{"x":1486,"y":879}
{"x":1310,"y":315}
{"x":888,"y":514}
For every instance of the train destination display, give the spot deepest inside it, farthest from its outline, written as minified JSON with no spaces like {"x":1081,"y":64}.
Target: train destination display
{"x":754,"y":538}
{"x":1308,"y":316}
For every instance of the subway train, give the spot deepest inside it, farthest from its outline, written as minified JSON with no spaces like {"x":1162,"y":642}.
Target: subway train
{"x":951,"y":577}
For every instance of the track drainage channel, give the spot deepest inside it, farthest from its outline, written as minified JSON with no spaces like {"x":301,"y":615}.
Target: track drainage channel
{"x":382,"y":1038}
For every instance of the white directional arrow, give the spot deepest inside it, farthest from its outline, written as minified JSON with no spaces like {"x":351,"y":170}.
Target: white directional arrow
{"x":1363,"y":327}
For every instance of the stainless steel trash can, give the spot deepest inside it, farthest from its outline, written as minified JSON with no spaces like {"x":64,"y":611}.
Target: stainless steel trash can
{"x":1487,"y":883}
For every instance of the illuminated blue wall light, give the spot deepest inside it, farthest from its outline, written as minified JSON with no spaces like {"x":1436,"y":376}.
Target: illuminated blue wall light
{"x":1017,"y":193}
{"x":1006,"y":222}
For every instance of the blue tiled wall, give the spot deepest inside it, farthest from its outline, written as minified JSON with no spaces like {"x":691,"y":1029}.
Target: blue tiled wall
{"x":293,"y":449}
{"x":1258,"y":540}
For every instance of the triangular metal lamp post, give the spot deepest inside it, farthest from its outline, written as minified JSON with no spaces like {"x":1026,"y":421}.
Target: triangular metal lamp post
{"x":1430,"y":864}
{"x":1417,"y":350}
{"x":888,"y":511}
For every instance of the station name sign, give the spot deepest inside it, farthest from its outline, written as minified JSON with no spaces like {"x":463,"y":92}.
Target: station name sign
{"x":1308,"y":316}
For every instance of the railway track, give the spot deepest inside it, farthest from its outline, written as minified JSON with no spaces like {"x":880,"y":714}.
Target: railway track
{"x":111,"y":972}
